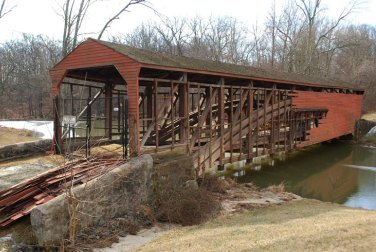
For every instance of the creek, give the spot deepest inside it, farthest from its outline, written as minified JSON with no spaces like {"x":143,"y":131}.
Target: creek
{"x":340,"y":173}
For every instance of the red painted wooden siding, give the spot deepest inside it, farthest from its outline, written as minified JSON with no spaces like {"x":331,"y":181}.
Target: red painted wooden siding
{"x":93,"y":54}
{"x":90,"y":54}
{"x":344,"y":111}
{"x":130,"y":72}
{"x":57,"y":75}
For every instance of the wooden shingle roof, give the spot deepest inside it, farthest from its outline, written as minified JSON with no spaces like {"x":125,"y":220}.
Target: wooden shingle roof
{"x":174,"y":62}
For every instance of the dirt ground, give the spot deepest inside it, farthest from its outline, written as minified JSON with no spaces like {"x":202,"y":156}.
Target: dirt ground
{"x":304,"y":225}
{"x":12,"y":136}
{"x":16,"y":171}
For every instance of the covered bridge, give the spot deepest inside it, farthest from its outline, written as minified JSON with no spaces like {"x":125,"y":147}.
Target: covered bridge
{"x":217,"y":112}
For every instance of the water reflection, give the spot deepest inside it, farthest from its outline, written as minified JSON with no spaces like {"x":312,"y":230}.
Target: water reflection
{"x":365,"y":196}
{"x":321,"y":173}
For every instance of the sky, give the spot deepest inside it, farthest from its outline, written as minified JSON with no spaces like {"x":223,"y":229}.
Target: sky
{"x":42,"y":16}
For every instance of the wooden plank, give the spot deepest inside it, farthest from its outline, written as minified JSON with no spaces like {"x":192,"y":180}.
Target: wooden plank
{"x":157,"y":114}
{"x":238,"y":133}
{"x":202,"y":117}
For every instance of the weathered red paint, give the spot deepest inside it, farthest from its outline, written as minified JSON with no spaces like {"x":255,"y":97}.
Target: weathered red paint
{"x":92,"y":54}
{"x":343,"y":111}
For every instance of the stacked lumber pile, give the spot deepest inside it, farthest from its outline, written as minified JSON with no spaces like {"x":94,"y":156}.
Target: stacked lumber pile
{"x":18,"y":201}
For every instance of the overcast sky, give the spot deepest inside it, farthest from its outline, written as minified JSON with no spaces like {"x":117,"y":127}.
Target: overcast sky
{"x":41,"y":16}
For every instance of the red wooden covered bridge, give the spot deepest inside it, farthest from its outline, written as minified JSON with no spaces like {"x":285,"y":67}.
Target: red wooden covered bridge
{"x":219,"y":113}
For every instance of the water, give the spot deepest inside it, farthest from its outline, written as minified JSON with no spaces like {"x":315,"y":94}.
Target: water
{"x":340,"y":173}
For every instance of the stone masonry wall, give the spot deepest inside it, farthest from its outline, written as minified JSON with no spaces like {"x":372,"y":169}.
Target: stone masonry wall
{"x":24,"y":149}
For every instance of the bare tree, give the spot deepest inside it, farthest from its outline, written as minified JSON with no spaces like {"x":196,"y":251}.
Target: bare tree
{"x":220,"y":39}
{"x":174,"y":34}
{"x":311,"y":10}
{"x":24,"y":78}
{"x":73,"y":15}
{"x":4,"y":9}
{"x":124,"y":9}
{"x":144,"y":36}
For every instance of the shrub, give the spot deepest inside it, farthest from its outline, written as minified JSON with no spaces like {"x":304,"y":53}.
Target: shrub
{"x":187,"y":206}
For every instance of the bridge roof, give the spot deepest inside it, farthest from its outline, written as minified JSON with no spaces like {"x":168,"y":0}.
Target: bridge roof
{"x":157,"y":60}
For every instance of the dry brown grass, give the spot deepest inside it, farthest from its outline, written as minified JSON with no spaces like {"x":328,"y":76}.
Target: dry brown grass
{"x":306,"y":225}
{"x":54,"y":160}
{"x":370,"y":117}
{"x":13,"y":136}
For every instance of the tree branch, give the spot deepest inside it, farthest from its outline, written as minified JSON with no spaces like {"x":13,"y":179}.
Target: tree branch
{"x":124,"y":9}
{"x":3,"y":10}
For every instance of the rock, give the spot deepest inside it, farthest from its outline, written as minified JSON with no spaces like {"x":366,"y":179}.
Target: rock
{"x":115,"y":193}
{"x":24,"y":149}
{"x":122,"y":234}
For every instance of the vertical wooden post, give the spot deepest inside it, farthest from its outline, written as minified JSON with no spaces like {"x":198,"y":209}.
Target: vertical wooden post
{"x":183,"y":109}
{"x":292,"y":129}
{"x":221,"y":119}
{"x":88,"y":123}
{"x":130,"y":71}
{"x":264,"y":122}
{"x":108,"y":110}
{"x":156,"y":119}
{"x":187,"y":87}
{"x":250,"y":123}
{"x":199,"y":126}
{"x":208,"y":119}
{"x":257,"y":121}
{"x":240,"y":123}
{"x":210,"y":125}
{"x":118,"y":112}
{"x":231,"y":122}
{"x":272,"y":122}
{"x":149,"y":105}
{"x":57,"y":127}
{"x":72,"y":109}
{"x":172,"y":114}
{"x":279,"y":120}
{"x":285,"y":118}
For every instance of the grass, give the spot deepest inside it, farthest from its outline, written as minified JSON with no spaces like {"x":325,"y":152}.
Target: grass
{"x":306,"y":225}
{"x":12,"y":136}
